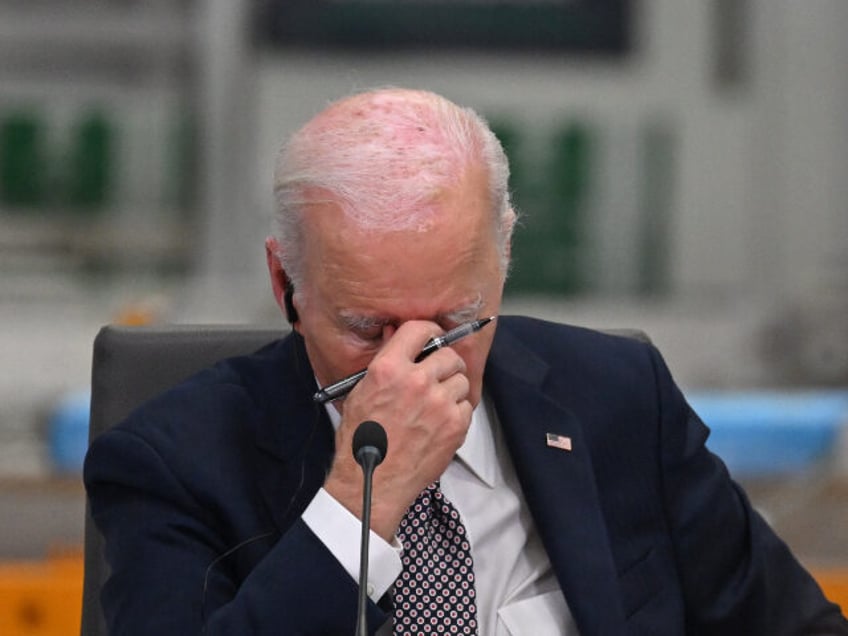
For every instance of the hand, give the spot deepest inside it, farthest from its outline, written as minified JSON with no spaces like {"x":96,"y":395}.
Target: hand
{"x":425,"y":410}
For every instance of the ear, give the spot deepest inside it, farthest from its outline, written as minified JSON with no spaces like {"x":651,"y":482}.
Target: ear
{"x":507,"y":228}
{"x":280,"y":282}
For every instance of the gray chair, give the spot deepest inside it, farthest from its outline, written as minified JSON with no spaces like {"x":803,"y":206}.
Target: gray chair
{"x":129,"y":366}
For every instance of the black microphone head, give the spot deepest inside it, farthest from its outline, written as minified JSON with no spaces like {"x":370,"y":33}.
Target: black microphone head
{"x":370,"y":433}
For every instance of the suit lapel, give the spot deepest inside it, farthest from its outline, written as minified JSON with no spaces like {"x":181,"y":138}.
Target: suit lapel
{"x":559,"y":485}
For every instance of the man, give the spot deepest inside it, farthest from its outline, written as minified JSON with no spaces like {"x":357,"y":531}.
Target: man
{"x":578,"y":495}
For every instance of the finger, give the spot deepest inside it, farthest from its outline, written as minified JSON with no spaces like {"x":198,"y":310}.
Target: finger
{"x":466,"y":410}
{"x":444,"y":363}
{"x":410,"y":338}
{"x":457,"y":387}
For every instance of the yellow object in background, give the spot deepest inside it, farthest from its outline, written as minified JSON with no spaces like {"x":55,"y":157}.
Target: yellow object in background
{"x":41,"y":598}
{"x":834,"y":582}
{"x":44,"y":598}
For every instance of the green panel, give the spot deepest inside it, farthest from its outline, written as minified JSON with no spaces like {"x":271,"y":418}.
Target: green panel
{"x":90,"y":164}
{"x":550,"y":246}
{"x":23,"y":165}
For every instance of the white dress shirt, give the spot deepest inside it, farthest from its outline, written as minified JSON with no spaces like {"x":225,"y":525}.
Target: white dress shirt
{"x":517,"y":592}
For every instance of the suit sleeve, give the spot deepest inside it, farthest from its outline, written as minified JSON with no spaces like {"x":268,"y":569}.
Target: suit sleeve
{"x":169,"y":571}
{"x":738,"y":576}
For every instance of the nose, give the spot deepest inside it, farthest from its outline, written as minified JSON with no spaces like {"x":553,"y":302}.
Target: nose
{"x":388,"y":332}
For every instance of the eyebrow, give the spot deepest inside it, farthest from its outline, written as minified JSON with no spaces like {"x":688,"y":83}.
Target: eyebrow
{"x":464,"y":314}
{"x":356,"y":322}
{"x":359,"y":322}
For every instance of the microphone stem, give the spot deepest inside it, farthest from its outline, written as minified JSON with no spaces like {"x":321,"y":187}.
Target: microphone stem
{"x":368,"y":471}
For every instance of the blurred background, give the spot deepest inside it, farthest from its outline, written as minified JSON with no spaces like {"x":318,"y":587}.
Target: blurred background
{"x":681,"y":168}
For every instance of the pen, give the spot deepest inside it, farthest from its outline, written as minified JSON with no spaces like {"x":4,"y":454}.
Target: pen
{"x":341,"y":388}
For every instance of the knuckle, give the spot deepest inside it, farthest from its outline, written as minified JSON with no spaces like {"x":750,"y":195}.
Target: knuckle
{"x":419,"y":381}
{"x":381,"y":368}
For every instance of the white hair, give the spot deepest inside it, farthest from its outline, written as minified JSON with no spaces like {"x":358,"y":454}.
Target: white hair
{"x":382,"y":155}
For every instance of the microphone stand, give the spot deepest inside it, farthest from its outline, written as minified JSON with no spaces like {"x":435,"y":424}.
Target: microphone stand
{"x":361,"y":623}
{"x":369,"y":449}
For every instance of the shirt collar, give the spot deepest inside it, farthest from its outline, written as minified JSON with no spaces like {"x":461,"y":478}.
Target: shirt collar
{"x":478,"y":450}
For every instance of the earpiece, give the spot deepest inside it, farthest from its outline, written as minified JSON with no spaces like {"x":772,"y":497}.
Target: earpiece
{"x":288,"y":302}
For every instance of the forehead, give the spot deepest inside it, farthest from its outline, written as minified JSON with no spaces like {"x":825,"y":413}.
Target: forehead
{"x":439,"y":267}
{"x":437,"y":264}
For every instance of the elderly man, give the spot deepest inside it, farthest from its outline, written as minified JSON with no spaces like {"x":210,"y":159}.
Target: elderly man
{"x":540,"y":479}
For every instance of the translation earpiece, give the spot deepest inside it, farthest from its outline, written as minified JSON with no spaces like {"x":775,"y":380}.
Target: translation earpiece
{"x":288,"y":302}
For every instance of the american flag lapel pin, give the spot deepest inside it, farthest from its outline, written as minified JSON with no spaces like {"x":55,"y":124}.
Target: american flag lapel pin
{"x":561,"y":442}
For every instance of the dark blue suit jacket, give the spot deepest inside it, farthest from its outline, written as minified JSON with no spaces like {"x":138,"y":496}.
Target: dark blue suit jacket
{"x":199,"y":495}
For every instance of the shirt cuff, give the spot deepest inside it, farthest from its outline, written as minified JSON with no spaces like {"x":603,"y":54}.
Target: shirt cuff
{"x":340,"y":531}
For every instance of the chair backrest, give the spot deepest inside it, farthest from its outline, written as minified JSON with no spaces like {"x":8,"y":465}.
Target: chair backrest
{"x":129,"y":366}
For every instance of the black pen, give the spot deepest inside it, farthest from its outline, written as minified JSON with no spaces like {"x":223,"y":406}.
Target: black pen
{"x":341,"y":388}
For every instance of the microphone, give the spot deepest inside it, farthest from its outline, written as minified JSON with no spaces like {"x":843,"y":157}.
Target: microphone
{"x":369,"y":449}
{"x":369,"y":444}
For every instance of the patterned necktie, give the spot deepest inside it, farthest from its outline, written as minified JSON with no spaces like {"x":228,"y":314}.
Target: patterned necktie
{"x":435,"y":591}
